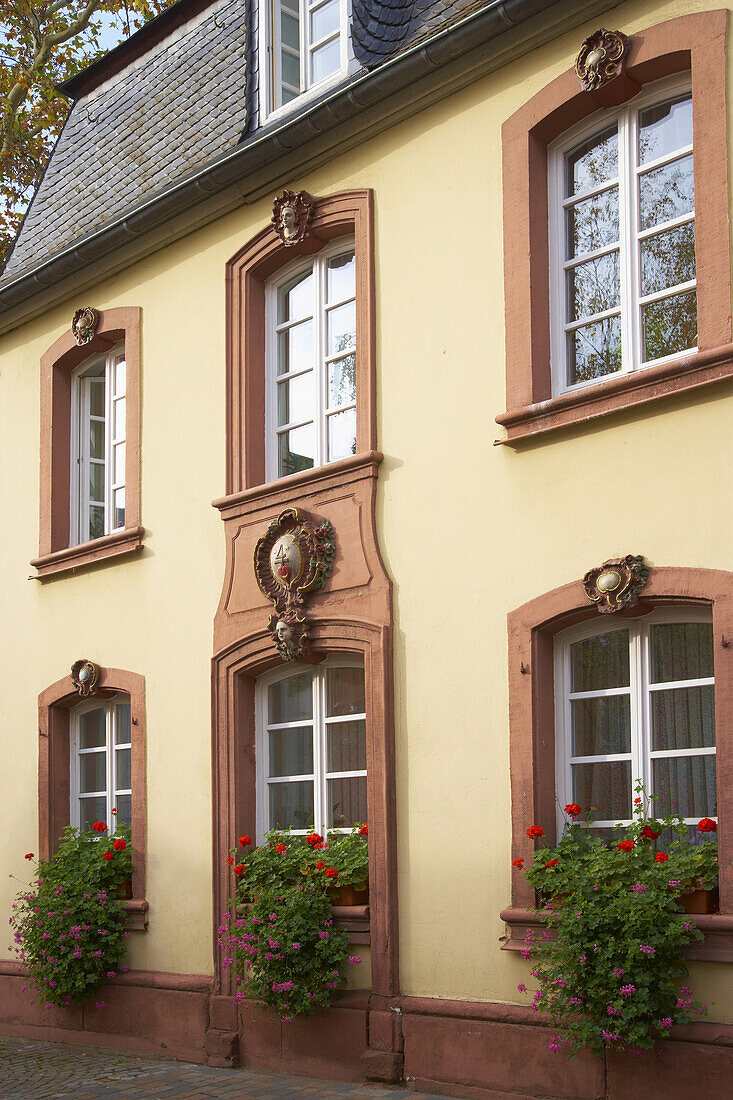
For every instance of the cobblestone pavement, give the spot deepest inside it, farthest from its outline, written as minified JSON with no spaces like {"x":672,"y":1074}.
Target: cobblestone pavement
{"x":53,"y":1071}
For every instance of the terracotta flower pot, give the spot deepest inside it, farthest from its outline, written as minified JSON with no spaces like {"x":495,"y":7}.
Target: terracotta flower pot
{"x":347,"y":895}
{"x":700,"y":901}
{"x":124,"y":890}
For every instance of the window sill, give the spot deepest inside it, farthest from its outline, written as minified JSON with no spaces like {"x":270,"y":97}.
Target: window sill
{"x":124,"y":541}
{"x":137,"y":914}
{"x":716,"y":927}
{"x":617,"y":394}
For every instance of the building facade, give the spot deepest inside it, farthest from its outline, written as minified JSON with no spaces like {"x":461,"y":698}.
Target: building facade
{"x":405,"y":270}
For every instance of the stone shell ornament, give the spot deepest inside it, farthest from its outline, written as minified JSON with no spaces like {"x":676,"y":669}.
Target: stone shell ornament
{"x":85,"y":677}
{"x":615,"y":585}
{"x":292,"y":560}
{"x":84,"y":325}
{"x":601,"y":58}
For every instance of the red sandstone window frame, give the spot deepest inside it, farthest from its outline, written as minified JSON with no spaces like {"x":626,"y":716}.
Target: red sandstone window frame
{"x":58,"y":364}
{"x":694,"y":43}
{"x":54,"y":770}
{"x":347,"y":214}
{"x":532,"y":629}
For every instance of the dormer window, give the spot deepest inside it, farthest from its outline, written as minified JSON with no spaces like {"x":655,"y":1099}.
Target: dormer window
{"x":303,"y":44}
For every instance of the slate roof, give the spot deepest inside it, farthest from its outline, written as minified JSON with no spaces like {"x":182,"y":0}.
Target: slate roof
{"x":175,"y":100}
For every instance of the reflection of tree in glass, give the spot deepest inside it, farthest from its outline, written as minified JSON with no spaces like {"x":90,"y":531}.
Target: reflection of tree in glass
{"x":666,"y":193}
{"x":595,"y":350}
{"x":593,"y":162}
{"x":668,"y":259}
{"x":665,"y":128}
{"x":669,"y":326}
{"x":343,"y":376}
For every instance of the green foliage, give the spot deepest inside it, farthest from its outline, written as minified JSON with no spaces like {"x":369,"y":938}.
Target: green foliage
{"x":283,"y":945}
{"x":68,"y":927}
{"x":610,"y":959}
{"x":349,"y":854}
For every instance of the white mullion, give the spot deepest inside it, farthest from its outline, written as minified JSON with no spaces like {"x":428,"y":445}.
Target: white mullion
{"x":111,"y":762}
{"x":703,"y":681}
{"x":667,"y":158}
{"x":305,"y":76}
{"x":285,"y":326}
{"x":321,"y":349}
{"x":665,"y":754}
{"x":591,"y":319}
{"x":602,"y":758}
{"x":295,"y":724}
{"x":346,"y":775}
{"x":640,"y":707}
{"x":338,"y":409}
{"x":331,"y":305}
{"x":669,"y":292}
{"x":588,"y":257}
{"x":599,"y":693}
{"x":270,"y":779}
{"x":320,"y":794}
{"x":108,"y":446}
{"x":663,"y":227}
{"x":628,"y":225}
{"x":83,"y":465}
{"x":345,"y":718}
{"x":581,"y":196}
{"x":291,"y":425}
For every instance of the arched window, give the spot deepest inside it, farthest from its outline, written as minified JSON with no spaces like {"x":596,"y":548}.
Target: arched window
{"x":635,"y":700}
{"x":311,"y":747}
{"x":100,"y":750}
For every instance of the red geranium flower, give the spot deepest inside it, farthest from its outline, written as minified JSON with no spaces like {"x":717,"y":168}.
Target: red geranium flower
{"x":320,"y":865}
{"x":330,"y":872}
{"x":114,"y":809}
{"x":517,"y":862}
{"x":230,"y":859}
{"x":99,"y":827}
{"x":535,"y":830}
{"x":120,"y":844}
{"x":707,"y":825}
{"x":281,"y":848}
{"x":240,"y":869}
{"x":661,"y":857}
{"x":314,"y":839}
{"x":108,"y":855}
{"x":245,"y":841}
{"x":364,"y":831}
{"x":552,"y":863}
{"x":637,"y":802}
{"x":573,"y":809}
{"x":625,"y":845}
{"x":648,"y":833}
{"x":29,"y":855}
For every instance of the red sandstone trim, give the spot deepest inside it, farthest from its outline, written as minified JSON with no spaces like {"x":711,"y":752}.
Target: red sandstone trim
{"x":54,"y":553}
{"x":54,"y":765}
{"x":531,"y":629}
{"x":692,"y":42}
{"x":341,"y":215}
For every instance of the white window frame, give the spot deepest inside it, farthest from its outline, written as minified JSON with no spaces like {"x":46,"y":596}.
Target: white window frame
{"x":111,"y":748}
{"x":320,"y":723}
{"x":630,"y":234}
{"x":639,"y":691}
{"x":79,"y":529}
{"x":319,"y":264}
{"x":271,"y":104}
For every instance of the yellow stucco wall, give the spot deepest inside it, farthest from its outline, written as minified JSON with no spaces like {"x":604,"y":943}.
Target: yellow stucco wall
{"x":519,"y":523}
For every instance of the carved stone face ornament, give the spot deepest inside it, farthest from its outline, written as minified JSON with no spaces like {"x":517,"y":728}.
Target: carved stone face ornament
{"x":601,"y":58}
{"x":616,"y":584}
{"x":84,"y":325}
{"x":84,"y":677}
{"x":291,"y":216}
{"x":293,"y":559}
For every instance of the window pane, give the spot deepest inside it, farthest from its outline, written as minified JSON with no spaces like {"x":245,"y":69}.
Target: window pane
{"x":600,"y":662}
{"x":685,"y":785}
{"x":91,"y":810}
{"x":291,"y":805}
{"x":123,"y":805}
{"x":325,"y":20}
{"x":96,"y":481}
{"x":594,"y":350}
{"x":96,"y":438}
{"x":296,"y":399}
{"x":669,"y":326}
{"x":681,"y":651}
{"x":668,"y":259}
{"x":290,"y":30}
{"x":342,"y":381}
{"x":296,"y":450}
{"x":683,"y":718}
{"x":604,"y":788}
{"x":666,"y":193}
{"x":342,"y":434}
{"x":120,"y":372}
{"x":291,"y":751}
{"x":92,"y":729}
{"x":124,"y":773}
{"x":119,"y":509}
{"x":593,"y":287}
{"x":601,"y":726}
{"x":119,"y":417}
{"x":344,"y":691}
{"x":291,"y":699}
{"x":119,"y":463}
{"x":326,"y":60}
{"x":93,"y":772}
{"x":96,"y":521}
{"x":665,"y":128}
{"x":295,"y":348}
{"x":341,"y":277}
{"x":347,"y":801}
{"x":342,"y":328}
{"x":295,"y":298}
{"x":346,"y":746}
{"x":291,"y":69}
{"x":122,"y":732}
{"x":592,"y":163}
{"x":592,"y":223}
{"x":96,"y":396}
